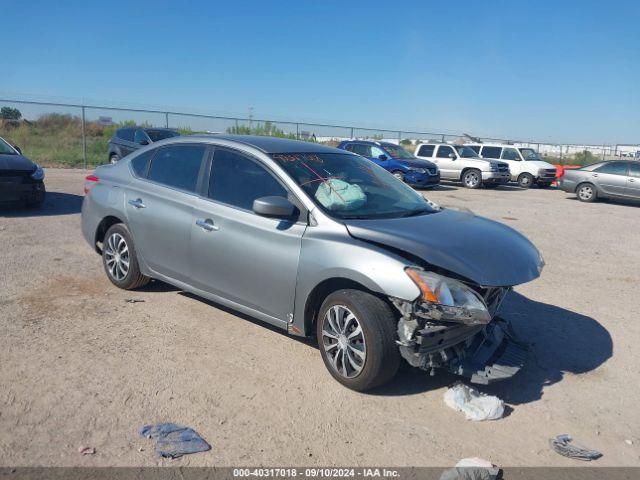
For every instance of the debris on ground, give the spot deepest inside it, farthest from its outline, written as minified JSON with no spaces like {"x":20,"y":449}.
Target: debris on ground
{"x":86,"y":450}
{"x":473,"y":468}
{"x":173,"y":441}
{"x":562,"y":445}
{"x":628,"y":442}
{"x":133,"y":300}
{"x":475,"y":405}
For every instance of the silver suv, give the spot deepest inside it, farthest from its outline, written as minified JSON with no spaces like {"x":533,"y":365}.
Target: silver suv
{"x":318,"y":242}
{"x":460,"y":163}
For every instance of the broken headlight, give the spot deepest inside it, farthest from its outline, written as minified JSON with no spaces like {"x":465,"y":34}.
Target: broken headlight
{"x":448,"y":300}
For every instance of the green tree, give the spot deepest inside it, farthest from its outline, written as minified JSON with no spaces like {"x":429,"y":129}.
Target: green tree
{"x":585,"y":157}
{"x":9,"y":113}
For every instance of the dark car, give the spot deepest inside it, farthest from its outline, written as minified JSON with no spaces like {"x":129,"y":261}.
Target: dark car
{"x":21,"y":180}
{"x":128,"y":139}
{"x":395,"y":159}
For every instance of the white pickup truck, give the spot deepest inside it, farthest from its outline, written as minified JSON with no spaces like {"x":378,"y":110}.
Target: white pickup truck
{"x":525,"y":164}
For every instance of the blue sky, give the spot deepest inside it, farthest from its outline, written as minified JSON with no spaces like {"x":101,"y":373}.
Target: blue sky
{"x":544,"y":70}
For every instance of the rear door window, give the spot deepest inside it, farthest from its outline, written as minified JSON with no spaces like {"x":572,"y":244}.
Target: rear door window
{"x":510,"y":154}
{"x":361,"y":149}
{"x":426,"y":150}
{"x":177,"y":166}
{"x":491,"y":152}
{"x":125,"y":134}
{"x":140,"y":136}
{"x":634,"y":169}
{"x":236,"y":180}
{"x":444,"y":151}
{"x":613,"y":168}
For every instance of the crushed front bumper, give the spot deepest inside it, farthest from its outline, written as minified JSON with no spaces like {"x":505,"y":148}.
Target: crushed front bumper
{"x":483,"y":353}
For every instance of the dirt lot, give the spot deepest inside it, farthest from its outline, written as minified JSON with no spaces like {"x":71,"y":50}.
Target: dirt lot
{"x":81,"y":366}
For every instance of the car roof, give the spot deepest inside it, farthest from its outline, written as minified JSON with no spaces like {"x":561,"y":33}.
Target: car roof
{"x":365,"y":142}
{"x":272,"y":144}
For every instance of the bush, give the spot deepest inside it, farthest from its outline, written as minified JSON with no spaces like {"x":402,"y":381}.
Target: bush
{"x":9,"y":113}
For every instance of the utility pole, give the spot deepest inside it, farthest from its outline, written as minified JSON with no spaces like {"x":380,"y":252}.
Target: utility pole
{"x":250,"y":116}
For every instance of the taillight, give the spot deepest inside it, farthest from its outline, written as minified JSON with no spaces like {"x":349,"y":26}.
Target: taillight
{"x":90,"y":181}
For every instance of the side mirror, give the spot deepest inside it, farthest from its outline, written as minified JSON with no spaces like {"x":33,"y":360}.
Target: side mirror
{"x":18,"y":149}
{"x":278,"y":207}
{"x":382,"y":157}
{"x":144,"y":141}
{"x":452,"y":156}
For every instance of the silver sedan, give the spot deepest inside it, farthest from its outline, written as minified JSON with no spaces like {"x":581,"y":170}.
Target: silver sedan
{"x":614,"y":179}
{"x":320,"y":243}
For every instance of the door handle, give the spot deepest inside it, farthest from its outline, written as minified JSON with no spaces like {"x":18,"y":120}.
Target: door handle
{"x":594,"y":175}
{"x":207,"y":225}
{"x":137,"y":203}
{"x":632,"y":179}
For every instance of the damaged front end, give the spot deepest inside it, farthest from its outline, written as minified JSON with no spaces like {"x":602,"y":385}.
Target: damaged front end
{"x":478,"y":345}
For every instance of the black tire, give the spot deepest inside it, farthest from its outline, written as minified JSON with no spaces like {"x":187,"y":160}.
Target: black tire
{"x":525,"y":180}
{"x":586,"y":192}
{"x":472,"y":178}
{"x":378,"y":326}
{"x":399,"y":175}
{"x":544,"y":185}
{"x":133,"y":278}
{"x":114,"y":158}
{"x":39,"y":200}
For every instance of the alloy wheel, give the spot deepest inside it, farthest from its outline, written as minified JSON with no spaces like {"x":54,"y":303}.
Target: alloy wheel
{"x":343,"y":341}
{"x":117,"y":256}
{"x":471,"y":179}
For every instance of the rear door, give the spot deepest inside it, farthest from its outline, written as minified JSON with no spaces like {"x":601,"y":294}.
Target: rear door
{"x":612,"y":177}
{"x":236,"y":254}
{"x":446,"y":164}
{"x":159,"y":206}
{"x":633,"y":181}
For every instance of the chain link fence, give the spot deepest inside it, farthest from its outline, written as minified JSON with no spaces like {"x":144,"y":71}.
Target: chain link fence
{"x":76,"y":135}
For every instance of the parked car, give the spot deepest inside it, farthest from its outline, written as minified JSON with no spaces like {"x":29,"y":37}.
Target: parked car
{"x":613,"y":179}
{"x":460,"y":163}
{"x":21,"y":180}
{"x":525,"y":164}
{"x":395,"y":159}
{"x":318,"y":242}
{"x":128,"y":139}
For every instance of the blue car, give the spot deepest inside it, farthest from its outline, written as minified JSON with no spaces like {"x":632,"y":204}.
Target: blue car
{"x":395,"y":159}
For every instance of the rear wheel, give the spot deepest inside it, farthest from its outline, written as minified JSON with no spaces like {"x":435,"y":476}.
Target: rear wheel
{"x":472,"y":178}
{"x":525,"y":180}
{"x":586,"y":192}
{"x":119,"y":259}
{"x":356,"y":336}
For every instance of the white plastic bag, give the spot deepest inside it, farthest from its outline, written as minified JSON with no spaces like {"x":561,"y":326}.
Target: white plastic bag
{"x":475,"y":405}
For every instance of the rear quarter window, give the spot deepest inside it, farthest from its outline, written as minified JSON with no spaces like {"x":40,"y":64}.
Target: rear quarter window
{"x":426,"y":150}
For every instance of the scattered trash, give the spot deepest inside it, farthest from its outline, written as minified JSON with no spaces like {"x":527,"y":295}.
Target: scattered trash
{"x":133,"y":300}
{"x":628,"y":442}
{"x":562,"y":445}
{"x":475,"y":405}
{"x":473,"y":468}
{"x":86,"y":450}
{"x":173,"y":441}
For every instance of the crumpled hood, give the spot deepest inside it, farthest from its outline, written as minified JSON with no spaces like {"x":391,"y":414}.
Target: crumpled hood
{"x":417,"y":163}
{"x":16,"y":162}
{"x":486,"y":252}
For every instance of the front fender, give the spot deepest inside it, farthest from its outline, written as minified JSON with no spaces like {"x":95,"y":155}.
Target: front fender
{"x":325,"y":256}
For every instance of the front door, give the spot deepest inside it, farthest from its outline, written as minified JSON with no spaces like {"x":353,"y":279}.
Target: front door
{"x":633,"y":181}
{"x":236,"y":254}
{"x":511,"y":156}
{"x":446,"y":164}
{"x":159,"y":208}
{"x":612,"y":177}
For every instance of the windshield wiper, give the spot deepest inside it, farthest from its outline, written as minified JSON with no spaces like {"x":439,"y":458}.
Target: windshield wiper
{"x":414,"y":213}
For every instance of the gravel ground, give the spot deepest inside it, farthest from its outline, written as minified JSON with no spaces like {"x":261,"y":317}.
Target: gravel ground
{"x":80,"y":366}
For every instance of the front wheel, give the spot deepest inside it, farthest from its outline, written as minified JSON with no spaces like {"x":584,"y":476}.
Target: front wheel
{"x":472,"y":179}
{"x":356,"y":337}
{"x":120,"y":260}
{"x":525,"y":180}
{"x":114,"y":159}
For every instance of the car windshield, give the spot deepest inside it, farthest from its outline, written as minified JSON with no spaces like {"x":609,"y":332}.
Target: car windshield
{"x":348,"y":186}
{"x":6,"y":149}
{"x":530,"y":154}
{"x":397,"y":152}
{"x":465,"y":152}
{"x":156,"y":135}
